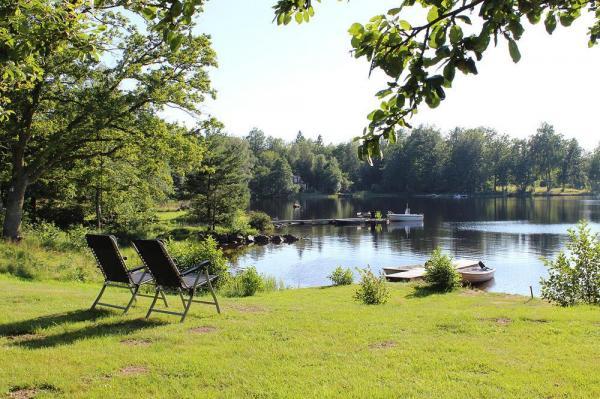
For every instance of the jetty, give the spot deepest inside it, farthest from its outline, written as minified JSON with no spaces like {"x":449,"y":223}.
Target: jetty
{"x":336,"y":222}
{"x":415,"y":272}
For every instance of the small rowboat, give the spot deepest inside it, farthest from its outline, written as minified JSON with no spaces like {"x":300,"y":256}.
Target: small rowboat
{"x":477,"y":274}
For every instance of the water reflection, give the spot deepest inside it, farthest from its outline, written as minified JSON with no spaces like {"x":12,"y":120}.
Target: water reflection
{"x":510,"y":234}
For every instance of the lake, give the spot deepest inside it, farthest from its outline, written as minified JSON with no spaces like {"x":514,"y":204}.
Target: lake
{"x":510,"y":234}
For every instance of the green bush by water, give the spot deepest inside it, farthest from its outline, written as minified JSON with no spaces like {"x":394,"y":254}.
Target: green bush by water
{"x":189,"y":253}
{"x":575,"y":278}
{"x":248,"y":282}
{"x":341,"y":276}
{"x":440,"y":274}
{"x":260,"y":221}
{"x":372,"y":289}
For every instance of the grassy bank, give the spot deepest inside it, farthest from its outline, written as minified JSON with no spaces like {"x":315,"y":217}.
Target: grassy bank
{"x":297,"y":343}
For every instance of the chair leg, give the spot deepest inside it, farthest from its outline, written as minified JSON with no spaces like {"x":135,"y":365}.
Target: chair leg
{"x":134,"y":294}
{"x":164,"y":298}
{"x":182,"y":299}
{"x":187,"y":308}
{"x":99,"y":296}
{"x":153,"y":302}
{"x":212,"y":292}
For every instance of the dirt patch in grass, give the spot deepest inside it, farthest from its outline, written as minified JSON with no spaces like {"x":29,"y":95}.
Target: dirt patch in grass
{"x":24,"y":392}
{"x":134,"y":370}
{"x":534,"y":320}
{"x":248,"y":308}
{"x":451,"y":328}
{"x":502,"y":321}
{"x":23,"y":337}
{"x":136,"y":342}
{"x":383,"y":345}
{"x":203,"y":329}
{"x":471,"y":292}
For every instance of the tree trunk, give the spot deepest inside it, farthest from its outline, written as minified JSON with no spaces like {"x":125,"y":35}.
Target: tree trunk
{"x":98,"y":200}
{"x":14,"y":207}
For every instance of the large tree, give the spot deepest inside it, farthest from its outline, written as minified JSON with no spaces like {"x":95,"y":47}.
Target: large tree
{"x":85,"y":78}
{"x":454,"y":36}
{"x":546,"y":149}
{"x":218,"y":186}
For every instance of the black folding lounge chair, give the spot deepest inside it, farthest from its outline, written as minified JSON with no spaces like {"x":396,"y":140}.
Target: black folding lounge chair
{"x":167,"y":276}
{"x":112,"y":265}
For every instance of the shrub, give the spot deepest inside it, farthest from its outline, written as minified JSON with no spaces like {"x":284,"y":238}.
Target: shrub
{"x":240,"y":223}
{"x":189,"y":253}
{"x":440,"y":274}
{"x":372,"y":289}
{"x":49,"y":236}
{"x":248,"y":282}
{"x":29,"y":259}
{"x":341,"y":276}
{"x":575,"y":278}
{"x":260,"y":221}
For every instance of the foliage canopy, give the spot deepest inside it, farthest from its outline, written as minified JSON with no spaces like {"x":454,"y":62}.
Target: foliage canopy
{"x":453,"y":35}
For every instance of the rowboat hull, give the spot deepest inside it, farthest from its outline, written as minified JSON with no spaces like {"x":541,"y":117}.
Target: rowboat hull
{"x":476,"y":275}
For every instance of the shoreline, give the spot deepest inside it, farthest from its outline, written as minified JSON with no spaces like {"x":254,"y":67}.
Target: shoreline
{"x":369,"y":194}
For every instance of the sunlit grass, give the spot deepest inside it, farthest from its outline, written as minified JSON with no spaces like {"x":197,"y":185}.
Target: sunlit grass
{"x":298,"y":343}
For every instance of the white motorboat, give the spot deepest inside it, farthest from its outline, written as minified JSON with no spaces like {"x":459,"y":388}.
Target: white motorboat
{"x":404,"y":217}
{"x":479,"y":273}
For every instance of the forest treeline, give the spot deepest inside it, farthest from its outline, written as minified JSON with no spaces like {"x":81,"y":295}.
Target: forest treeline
{"x":424,"y":161}
{"x":217,"y":173}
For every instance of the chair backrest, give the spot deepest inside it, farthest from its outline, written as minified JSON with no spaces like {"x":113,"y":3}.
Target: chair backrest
{"x":109,"y":259}
{"x":161,"y":265}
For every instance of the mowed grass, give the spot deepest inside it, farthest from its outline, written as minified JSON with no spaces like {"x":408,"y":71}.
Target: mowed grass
{"x":297,"y":343}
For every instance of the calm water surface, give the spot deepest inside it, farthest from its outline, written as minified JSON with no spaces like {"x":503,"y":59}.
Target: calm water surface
{"x":509,"y":234}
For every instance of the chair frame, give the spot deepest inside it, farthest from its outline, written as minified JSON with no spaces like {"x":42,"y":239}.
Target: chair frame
{"x":181,"y":290}
{"x":131,"y":286}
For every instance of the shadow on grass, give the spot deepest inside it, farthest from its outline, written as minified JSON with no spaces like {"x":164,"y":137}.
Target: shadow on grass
{"x":123,"y":327}
{"x":422,"y":291}
{"x":31,"y":325}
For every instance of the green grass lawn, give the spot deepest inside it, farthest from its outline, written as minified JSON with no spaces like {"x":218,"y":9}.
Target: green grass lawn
{"x":297,"y":343}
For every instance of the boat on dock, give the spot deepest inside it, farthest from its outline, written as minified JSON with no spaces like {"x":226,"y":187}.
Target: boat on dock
{"x":404,"y":217}
{"x":470,"y":270}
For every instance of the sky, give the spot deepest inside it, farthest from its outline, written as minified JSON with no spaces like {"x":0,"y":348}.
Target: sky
{"x":303,"y":77}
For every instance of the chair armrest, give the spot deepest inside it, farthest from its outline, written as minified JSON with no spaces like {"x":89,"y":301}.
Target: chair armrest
{"x":195,"y":267}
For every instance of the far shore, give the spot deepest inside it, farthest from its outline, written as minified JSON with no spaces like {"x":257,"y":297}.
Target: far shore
{"x":539,"y":192}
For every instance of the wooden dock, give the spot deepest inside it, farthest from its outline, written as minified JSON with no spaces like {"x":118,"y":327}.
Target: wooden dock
{"x":335,"y":222}
{"x":415,"y":272}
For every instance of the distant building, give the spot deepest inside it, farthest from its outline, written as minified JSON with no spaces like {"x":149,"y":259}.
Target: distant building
{"x":298,"y":180}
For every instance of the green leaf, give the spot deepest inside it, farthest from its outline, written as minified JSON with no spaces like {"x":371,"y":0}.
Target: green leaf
{"x":449,"y":72}
{"x":456,"y":34}
{"x":299,"y":17}
{"x":149,"y":13}
{"x":404,"y":25}
{"x":550,"y":23}
{"x":436,"y":80}
{"x":513,"y":49}
{"x":176,"y":8}
{"x":534,"y":17}
{"x":356,"y":29}
{"x":465,"y":19}
{"x":394,"y":11}
{"x":566,"y":19}
{"x":175,"y":42}
{"x":516,"y":29}
{"x":433,"y":14}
